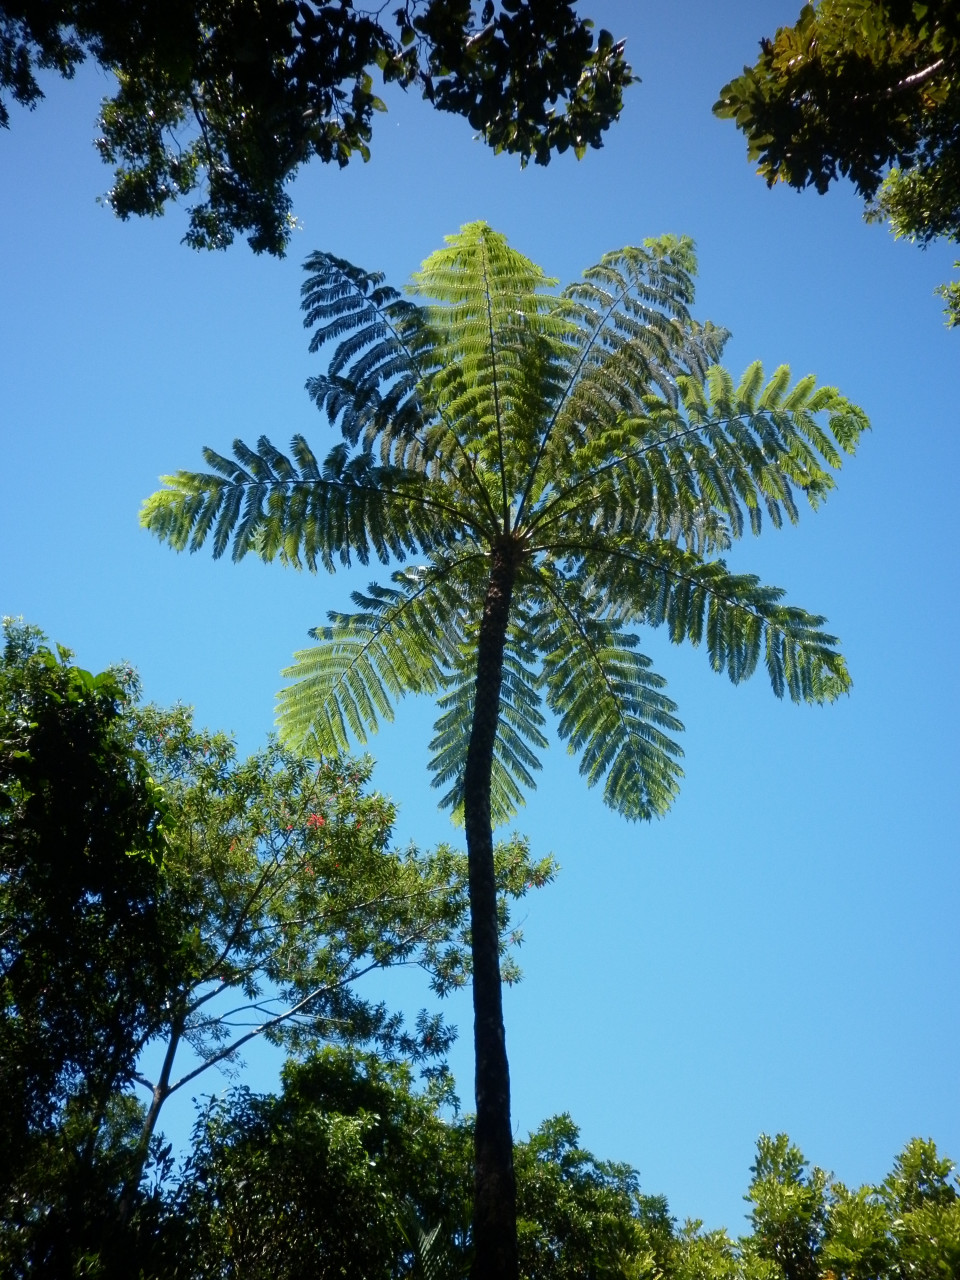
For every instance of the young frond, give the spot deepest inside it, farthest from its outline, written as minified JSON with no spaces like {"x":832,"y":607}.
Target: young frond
{"x":478,"y":272}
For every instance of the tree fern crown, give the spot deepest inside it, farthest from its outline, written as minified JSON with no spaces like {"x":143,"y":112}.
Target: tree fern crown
{"x":593,"y":434}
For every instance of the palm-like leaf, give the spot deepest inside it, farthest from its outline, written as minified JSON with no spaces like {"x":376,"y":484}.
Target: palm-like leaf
{"x":519,"y":735}
{"x":609,"y":703}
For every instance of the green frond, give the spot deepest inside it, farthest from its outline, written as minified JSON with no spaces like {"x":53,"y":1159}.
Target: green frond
{"x":738,"y":451}
{"x":498,"y":336}
{"x":402,"y":639}
{"x":519,"y":732}
{"x":738,"y":618}
{"x":628,"y":333}
{"x":478,"y":268}
{"x":371,"y":384}
{"x":610,"y":704}
{"x":304,"y":516}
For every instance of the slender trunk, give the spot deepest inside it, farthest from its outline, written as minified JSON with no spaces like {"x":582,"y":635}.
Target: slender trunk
{"x":495,"y":1198}
{"x":161,"y":1091}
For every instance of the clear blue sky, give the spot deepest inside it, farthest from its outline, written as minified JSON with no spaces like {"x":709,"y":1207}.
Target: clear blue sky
{"x":781,"y":952}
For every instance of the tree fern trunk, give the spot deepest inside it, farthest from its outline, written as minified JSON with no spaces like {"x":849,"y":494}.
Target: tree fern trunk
{"x":495,"y":1200}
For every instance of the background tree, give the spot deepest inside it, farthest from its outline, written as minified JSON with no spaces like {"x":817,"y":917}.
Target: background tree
{"x":580,"y":1216}
{"x":85,"y":954}
{"x":868,"y":90}
{"x":331,"y":1172}
{"x":276,"y":892}
{"x":329,"y":1175}
{"x":922,"y":1199}
{"x":319,"y":1180}
{"x":789,"y":1210}
{"x":286,"y":891}
{"x":232,"y":97}
{"x":564,"y":467}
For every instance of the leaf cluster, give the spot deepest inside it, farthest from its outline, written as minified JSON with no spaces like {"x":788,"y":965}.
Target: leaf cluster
{"x":82,"y":937}
{"x":867,"y":90}
{"x":228,"y":99}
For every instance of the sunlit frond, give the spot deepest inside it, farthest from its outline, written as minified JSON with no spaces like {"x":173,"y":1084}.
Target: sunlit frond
{"x":296,"y":511}
{"x":717,"y":452}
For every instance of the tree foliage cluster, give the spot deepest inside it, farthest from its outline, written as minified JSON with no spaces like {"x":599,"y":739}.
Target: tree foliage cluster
{"x":163,"y":902}
{"x":869,"y":90}
{"x":82,"y":954}
{"x":230,"y":97}
{"x":349,"y":1170}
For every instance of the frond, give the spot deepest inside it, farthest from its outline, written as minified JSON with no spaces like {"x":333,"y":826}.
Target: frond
{"x":498,"y":336}
{"x":628,"y":332}
{"x":294,"y":510}
{"x":519,"y":731}
{"x":402,"y":639}
{"x":717,"y":452}
{"x":371,"y":384}
{"x":610,"y":704}
{"x":738,"y":618}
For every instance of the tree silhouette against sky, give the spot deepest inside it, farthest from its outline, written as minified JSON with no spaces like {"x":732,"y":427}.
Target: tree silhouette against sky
{"x":561,"y":468}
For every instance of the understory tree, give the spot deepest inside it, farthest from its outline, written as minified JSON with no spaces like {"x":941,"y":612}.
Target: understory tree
{"x":286,"y":890}
{"x":229,"y":97}
{"x":163,"y":901}
{"x":868,"y":90}
{"x":85,"y":953}
{"x":561,"y":469}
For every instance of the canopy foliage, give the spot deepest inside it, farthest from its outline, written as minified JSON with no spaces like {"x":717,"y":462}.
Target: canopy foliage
{"x":595,"y":433}
{"x":230,"y":97}
{"x":868,"y":90}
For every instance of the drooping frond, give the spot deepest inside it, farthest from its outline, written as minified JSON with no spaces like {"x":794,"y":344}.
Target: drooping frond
{"x":372,"y":381}
{"x":294,"y":510}
{"x":610,"y":704}
{"x":738,"y":618}
{"x":519,"y":732}
{"x":402,"y":639}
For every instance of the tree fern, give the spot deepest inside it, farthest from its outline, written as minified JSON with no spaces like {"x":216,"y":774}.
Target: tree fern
{"x":563,"y":470}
